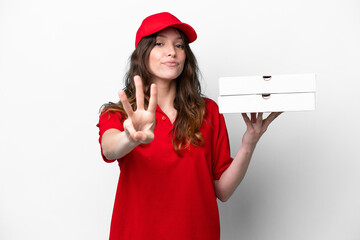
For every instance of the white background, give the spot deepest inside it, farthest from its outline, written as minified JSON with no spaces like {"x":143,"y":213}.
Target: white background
{"x":61,"y":60}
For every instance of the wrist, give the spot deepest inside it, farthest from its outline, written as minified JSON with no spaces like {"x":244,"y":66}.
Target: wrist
{"x":130,"y":141}
{"x":246,"y":147}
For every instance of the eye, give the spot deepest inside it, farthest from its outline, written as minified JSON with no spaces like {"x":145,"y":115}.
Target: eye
{"x":159,"y":44}
{"x":181,"y":46}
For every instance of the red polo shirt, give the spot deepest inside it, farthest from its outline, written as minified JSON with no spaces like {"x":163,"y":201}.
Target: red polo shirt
{"x":163,"y":196}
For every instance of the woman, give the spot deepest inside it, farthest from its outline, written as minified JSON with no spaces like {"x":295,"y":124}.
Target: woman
{"x":170,"y":142}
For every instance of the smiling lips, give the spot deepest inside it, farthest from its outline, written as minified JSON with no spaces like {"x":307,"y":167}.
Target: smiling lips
{"x":171,"y":63}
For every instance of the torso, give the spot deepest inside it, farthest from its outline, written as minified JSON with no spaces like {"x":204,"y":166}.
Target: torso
{"x":162,"y":195}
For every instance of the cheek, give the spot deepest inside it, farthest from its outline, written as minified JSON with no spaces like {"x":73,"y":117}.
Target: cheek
{"x":183,"y":62}
{"x":155,"y":55}
{"x":183,"y":57}
{"x":151,"y":62}
{"x":154,"y":58}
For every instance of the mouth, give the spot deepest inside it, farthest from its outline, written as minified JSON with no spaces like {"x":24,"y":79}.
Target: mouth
{"x":171,"y":63}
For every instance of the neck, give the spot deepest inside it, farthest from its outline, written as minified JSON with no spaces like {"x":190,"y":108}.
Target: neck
{"x":166,"y":94}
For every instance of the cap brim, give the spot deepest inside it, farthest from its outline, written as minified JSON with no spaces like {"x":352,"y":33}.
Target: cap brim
{"x":187,"y":30}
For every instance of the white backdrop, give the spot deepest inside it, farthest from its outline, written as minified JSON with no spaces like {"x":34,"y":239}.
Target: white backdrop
{"x":61,"y":60}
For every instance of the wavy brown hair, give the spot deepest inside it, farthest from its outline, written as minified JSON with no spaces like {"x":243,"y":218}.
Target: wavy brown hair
{"x":188,"y":100}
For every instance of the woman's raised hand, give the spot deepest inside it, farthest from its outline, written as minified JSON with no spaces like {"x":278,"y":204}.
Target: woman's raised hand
{"x":139,"y":126}
{"x":256,"y":127}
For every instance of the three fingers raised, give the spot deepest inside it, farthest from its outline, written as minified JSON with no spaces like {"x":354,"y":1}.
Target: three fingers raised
{"x":139,"y":93}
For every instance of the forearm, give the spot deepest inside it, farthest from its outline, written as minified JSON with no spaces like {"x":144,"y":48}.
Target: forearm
{"x":116,"y":144}
{"x":233,"y":175}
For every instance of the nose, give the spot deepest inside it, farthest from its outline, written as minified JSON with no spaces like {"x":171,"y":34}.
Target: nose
{"x":171,"y":51}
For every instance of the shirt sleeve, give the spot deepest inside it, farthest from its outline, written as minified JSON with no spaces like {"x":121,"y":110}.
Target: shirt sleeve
{"x":221,"y":146}
{"x":108,"y":120}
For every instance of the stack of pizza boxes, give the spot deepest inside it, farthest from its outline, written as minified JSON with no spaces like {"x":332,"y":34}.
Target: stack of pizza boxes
{"x":270,"y":93}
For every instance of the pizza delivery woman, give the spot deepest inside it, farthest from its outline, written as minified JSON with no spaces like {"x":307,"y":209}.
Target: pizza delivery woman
{"x":170,"y":142}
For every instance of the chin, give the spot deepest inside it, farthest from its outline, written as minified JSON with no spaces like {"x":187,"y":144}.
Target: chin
{"x":168,"y":77}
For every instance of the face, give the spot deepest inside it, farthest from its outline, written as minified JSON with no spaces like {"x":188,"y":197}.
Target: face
{"x":167,"y":58}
